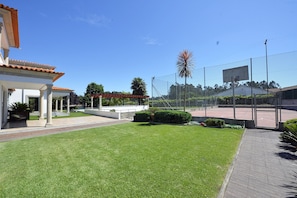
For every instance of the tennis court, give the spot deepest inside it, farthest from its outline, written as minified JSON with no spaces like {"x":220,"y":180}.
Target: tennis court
{"x":264,"y":117}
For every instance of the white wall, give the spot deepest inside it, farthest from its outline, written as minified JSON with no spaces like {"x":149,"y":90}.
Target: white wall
{"x":16,"y":96}
{"x":22,"y":95}
{"x":121,"y":112}
{"x":126,"y":108}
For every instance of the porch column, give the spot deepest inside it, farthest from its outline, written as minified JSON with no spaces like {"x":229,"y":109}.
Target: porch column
{"x":92,"y":101}
{"x":5,"y":105}
{"x":6,"y":52}
{"x":41,"y":105}
{"x":100,"y":102}
{"x":49,"y":119}
{"x":61,"y":104}
{"x":1,"y":107}
{"x":56,"y":106}
{"x":68,"y":104}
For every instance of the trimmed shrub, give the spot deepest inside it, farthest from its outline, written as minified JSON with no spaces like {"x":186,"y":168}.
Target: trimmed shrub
{"x":142,"y":116}
{"x":172,"y":116}
{"x":290,"y":133}
{"x":213,"y":122}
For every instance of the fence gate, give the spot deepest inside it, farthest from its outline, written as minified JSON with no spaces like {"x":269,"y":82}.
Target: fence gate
{"x":266,"y":112}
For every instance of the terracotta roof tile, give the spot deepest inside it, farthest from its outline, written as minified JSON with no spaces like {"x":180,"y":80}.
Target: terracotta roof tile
{"x":30,"y":64}
{"x":35,"y":69}
{"x":15,"y":24}
{"x":60,"y":89}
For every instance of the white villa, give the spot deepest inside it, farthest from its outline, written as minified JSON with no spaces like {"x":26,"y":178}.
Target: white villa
{"x":22,"y":81}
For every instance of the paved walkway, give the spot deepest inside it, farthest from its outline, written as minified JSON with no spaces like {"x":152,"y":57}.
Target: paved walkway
{"x":264,"y":167}
{"x":32,"y":128}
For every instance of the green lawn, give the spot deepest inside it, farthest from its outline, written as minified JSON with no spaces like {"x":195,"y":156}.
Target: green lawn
{"x":127,"y":160}
{"x":72,"y":115}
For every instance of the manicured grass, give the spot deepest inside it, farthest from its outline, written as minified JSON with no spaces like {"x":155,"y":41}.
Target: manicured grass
{"x":72,"y":115}
{"x":127,"y":160}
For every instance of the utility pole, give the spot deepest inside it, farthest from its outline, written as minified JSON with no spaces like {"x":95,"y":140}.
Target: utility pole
{"x":153,"y":78}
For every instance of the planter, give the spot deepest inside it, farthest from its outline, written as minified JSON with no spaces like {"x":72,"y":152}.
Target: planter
{"x":19,"y":115}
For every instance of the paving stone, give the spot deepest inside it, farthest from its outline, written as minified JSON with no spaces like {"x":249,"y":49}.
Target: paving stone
{"x":263,"y":167}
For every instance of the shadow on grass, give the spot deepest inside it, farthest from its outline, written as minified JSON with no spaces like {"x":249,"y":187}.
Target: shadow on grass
{"x":159,"y":123}
{"x":149,"y":123}
{"x":144,"y":124}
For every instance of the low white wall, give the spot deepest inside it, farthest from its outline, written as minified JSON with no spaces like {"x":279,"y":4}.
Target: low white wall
{"x":127,"y":108}
{"x":117,"y":112}
{"x":108,"y":114}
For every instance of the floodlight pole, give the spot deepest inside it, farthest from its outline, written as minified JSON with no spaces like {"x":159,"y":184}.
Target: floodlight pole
{"x":204,"y":92}
{"x":266,"y":65}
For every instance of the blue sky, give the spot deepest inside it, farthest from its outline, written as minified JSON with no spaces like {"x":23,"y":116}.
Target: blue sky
{"x":111,"y":42}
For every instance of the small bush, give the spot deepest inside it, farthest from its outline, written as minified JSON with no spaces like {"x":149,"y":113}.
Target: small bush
{"x":290,"y":133}
{"x":153,"y":109}
{"x":171,"y":116}
{"x":142,"y":116}
{"x":212,"y":122}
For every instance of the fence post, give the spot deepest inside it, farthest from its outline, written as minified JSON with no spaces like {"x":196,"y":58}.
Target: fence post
{"x":255,"y":110}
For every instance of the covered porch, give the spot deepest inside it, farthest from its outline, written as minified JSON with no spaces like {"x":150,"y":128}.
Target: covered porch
{"x":32,"y":77}
{"x":59,"y":96}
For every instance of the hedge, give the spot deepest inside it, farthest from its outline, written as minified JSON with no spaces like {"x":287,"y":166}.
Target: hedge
{"x":172,"y":116}
{"x":142,"y":116}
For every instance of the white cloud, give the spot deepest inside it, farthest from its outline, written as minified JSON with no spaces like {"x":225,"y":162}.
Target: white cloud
{"x":150,"y":41}
{"x":43,"y":14}
{"x":93,"y":19}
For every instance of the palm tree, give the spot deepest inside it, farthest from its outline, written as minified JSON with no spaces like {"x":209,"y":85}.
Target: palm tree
{"x":185,"y":66}
{"x":139,"y":88}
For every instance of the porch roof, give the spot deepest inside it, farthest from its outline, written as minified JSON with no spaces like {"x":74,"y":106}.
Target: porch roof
{"x":36,"y":70}
{"x":26,"y":75}
{"x":60,"y":91}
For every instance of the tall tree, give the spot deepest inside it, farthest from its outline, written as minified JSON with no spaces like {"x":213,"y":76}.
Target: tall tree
{"x":139,"y":88}
{"x":74,"y":98}
{"x":93,"y":88}
{"x":185,"y":66}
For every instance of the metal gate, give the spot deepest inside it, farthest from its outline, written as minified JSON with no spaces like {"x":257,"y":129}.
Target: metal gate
{"x":266,"y":112}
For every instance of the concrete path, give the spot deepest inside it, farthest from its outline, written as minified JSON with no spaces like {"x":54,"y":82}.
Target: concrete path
{"x":32,"y":128}
{"x":264,"y":167}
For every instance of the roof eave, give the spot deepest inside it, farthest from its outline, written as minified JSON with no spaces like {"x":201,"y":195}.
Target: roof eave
{"x":59,"y":75}
{"x":12,"y":15}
